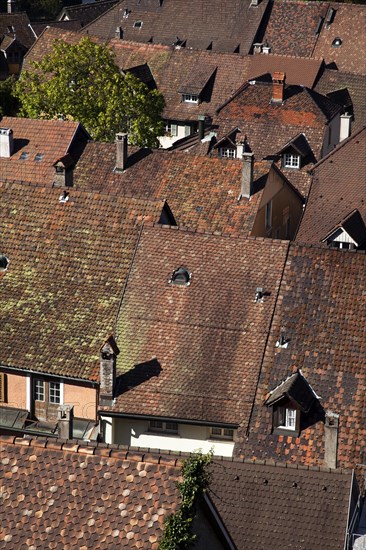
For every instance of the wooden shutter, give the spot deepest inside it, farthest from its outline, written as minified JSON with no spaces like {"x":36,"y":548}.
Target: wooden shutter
{"x":2,"y":387}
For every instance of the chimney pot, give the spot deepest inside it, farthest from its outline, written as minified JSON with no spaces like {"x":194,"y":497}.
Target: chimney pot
{"x":331,"y":439}
{"x":278,"y":86}
{"x":122,"y":151}
{"x":108,"y":355}
{"x":65,"y":419}
{"x":247,"y":175}
{"x":6,"y":142}
{"x":10,"y":6}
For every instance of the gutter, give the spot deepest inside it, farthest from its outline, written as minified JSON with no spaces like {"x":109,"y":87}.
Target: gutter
{"x":169,"y":419}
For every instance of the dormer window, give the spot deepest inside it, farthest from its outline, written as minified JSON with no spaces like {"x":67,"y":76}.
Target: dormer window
{"x":291,"y":160}
{"x":227,"y":152}
{"x":286,"y":418}
{"x":4,"y":262}
{"x":190,"y":98}
{"x":181,"y":277}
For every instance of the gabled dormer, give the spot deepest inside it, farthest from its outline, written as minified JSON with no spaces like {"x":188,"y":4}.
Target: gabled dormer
{"x":349,"y":233}
{"x":232,"y":145}
{"x":63,"y":176}
{"x":295,"y":153}
{"x":290,"y":401}
{"x":199,"y":86}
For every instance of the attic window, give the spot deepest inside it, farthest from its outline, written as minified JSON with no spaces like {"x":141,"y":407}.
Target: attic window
{"x":291,"y":161}
{"x":181,"y":277}
{"x":190,"y":98}
{"x":24,"y":155}
{"x":227,"y":152}
{"x":286,"y":418}
{"x":137,"y":25}
{"x":341,"y":245}
{"x":4,"y":262}
{"x":337,"y":43}
{"x":38,"y":157}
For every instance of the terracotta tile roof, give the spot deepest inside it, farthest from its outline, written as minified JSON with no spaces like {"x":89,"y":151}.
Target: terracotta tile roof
{"x":292,"y":26}
{"x":86,"y":13}
{"x":68,"y":263}
{"x":20,"y":22}
{"x":348,"y":24}
{"x":202,"y":192}
{"x":65,"y":495}
{"x":299,"y":70}
{"x":331,"y":81}
{"x":51,"y":138}
{"x":197,"y":24}
{"x":338,"y":187}
{"x":321,"y":310}
{"x":194,"y":352}
{"x":292,"y":503}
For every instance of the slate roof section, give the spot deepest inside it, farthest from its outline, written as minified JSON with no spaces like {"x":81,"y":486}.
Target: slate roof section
{"x":71,"y":498}
{"x":202,"y":192}
{"x":20,"y":22}
{"x":332,"y":81}
{"x":86,"y":13}
{"x":321,"y":309}
{"x":338,"y":187}
{"x":193,"y":352}
{"x":68,"y":263}
{"x":296,"y":505}
{"x":194,"y":23}
{"x":348,"y":24}
{"x":51,"y":138}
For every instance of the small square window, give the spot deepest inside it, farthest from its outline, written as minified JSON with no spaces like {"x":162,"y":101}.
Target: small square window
{"x":291,"y":161}
{"x":286,"y":418}
{"x":38,"y":390}
{"x":55,"y":392}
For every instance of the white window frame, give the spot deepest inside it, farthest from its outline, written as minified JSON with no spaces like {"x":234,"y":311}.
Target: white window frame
{"x":291,"y":160}
{"x":52,"y":395}
{"x":163,"y":427}
{"x":341,"y":245}
{"x":38,"y":389}
{"x":190,"y":98}
{"x":222,"y":433}
{"x":171,"y":129}
{"x":227,"y":152}
{"x":290,"y":417}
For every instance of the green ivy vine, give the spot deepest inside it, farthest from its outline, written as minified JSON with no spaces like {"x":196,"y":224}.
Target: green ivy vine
{"x":178,"y":527}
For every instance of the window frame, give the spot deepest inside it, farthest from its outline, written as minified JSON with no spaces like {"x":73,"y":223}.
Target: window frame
{"x":221,"y":435}
{"x":291,"y":160}
{"x":286,"y":420}
{"x":190,"y":98}
{"x":52,"y":393}
{"x":164,"y":427}
{"x":36,"y":390}
{"x":227,"y":152}
{"x":171,"y":129}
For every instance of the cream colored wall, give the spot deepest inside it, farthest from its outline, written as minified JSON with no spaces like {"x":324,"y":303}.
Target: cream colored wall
{"x":16,"y":390}
{"x":83,"y":398}
{"x":190,"y":438}
{"x":167,"y":141}
{"x":284,"y":200}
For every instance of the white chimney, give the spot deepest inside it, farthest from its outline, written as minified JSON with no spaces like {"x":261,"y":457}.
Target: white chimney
{"x":331,"y":427}
{"x":122,"y":151}
{"x":10,"y":6}
{"x":345,"y":126}
{"x":6,"y":142}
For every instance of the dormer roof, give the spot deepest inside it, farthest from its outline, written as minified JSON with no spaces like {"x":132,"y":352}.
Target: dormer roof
{"x":195,"y":84}
{"x":299,"y":143}
{"x":353,"y":225}
{"x":295,"y":388}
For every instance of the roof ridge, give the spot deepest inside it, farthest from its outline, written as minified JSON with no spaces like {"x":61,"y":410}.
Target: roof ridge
{"x":123,"y":452}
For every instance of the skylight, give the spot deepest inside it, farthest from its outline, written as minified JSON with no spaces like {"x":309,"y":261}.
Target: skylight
{"x":181,"y":277}
{"x":4,"y":262}
{"x":38,"y":157}
{"x":24,"y":155}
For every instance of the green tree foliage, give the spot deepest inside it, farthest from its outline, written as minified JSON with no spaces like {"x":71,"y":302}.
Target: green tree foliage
{"x":82,"y":82}
{"x":41,"y":9}
{"x":178,"y":527}
{"x":8,"y":103}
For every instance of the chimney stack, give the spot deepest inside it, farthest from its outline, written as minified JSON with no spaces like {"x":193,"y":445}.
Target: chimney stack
{"x":247,"y":175}
{"x":65,"y":418}
{"x":278,"y":87}
{"x":6,"y":142}
{"x":108,"y":355}
{"x":11,"y":6}
{"x":118,"y":33}
{"x":201,"y":127}
{"x":122,"y":151}
{"x":345,"y":126}
{"x":331,"y":439}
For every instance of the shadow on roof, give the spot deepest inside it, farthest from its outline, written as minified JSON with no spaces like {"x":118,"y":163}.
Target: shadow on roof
{"x":136,"y":376}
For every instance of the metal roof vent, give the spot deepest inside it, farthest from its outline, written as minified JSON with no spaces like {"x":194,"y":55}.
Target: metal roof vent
{"x":181,"y":277}
{"x":137,"y":25}
{"x":4,"y":262}
{"x":337,"y":43}
{"x":282,"y":342}
{"x":64,"y":197}
{"x":259,"y":294}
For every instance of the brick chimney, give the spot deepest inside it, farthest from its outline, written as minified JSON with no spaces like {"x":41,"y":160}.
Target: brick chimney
{"x":65,"y":418}
{"x":278,"y":87}
{"x":6,"y":142}
{"x":331,"y":439}
{"x":247,"y":175}
{"x":107,"y":374}
{"x":122,"y":151}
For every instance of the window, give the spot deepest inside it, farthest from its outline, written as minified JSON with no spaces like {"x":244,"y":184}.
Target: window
{"x":171,"y":129}
{"x":222,"y":433}
{"x":268,"y":215}
{"x":55,"y":392}
{"x":190,"y":98}
{"x":159,"y":426}
{"x":181,"y":277}
{"x":291,"y":161}
{"x":286,"y":418}
{"x":227,"y":152}
{"x":38,"y":390}
{"x":342,"y":245}
{"x":2,"y":387}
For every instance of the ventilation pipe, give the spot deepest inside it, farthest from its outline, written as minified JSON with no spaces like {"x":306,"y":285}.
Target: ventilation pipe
{"x":65,"y":419}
